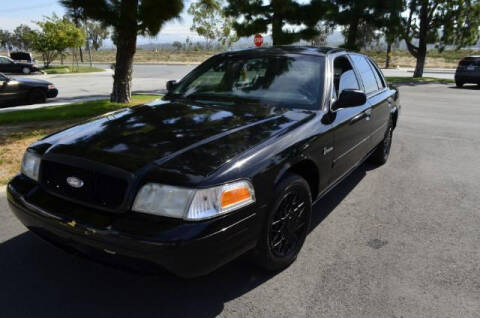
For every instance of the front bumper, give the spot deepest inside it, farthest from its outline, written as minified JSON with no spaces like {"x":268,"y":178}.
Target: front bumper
{"x":52,"y":93}
{"x":187,"y":249}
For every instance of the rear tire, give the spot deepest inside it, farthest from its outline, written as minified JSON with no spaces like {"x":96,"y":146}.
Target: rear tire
{"x":26,"y":70}
{"x":286,"y":226}
{"x":381,"y":154}
{"x":37,"y":96}
{"x":459,"y":84}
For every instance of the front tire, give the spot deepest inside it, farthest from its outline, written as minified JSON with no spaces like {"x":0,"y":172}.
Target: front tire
{"x":381,"y":154}
{"x":286,"y":226}
{"x":26,"y":70}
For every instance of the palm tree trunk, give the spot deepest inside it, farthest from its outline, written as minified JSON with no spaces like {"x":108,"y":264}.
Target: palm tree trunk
{"x":389,"y":55}
{"x":122,"y":79}
{"x":126,"y":47}
{"x":422,"y":40}
{"x":352,"y":36}
{"x":81,"y":54}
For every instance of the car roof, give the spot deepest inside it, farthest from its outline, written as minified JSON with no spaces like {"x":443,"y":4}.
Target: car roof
{"x":287,"y":49}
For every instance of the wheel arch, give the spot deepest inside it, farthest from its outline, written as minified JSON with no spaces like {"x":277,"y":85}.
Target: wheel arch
{"x":394,"y":117}
{"x":305,"y":168}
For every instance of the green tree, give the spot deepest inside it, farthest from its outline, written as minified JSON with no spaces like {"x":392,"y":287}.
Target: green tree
{"x":22,"y":37}
{"x":211,"y":22}
{"x":392,"y":28}
{"x":54,"y":37}
{"x":324,"y":30}
{"x":96,"y":34}
{"x":128,"y":19}
{"x":177,"y":45}
{"x":439,"y":22}
{"x":289,"y":20}
{"x":6,"y":39}
{"x":78,"y":17}
{"x":360,"y":19}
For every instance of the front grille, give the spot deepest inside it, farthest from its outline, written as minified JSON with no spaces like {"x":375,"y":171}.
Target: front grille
{"x":98,"y":190}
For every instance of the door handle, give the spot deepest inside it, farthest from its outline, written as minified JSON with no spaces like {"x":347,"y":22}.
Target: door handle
{"x":368,"y":114}
{"x":358,"y":117}
{"x":363,"y":115}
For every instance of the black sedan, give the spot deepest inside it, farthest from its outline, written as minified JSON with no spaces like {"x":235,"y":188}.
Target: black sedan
{"x":7,"y":65}
{"x":25,"y":90}
{"x":230,"y":161}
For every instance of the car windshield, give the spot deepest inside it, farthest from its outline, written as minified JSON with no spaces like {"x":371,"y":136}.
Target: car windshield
{"x":294,"y":81}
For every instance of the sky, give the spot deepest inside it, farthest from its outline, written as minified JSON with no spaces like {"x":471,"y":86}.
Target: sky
{"x":14,"y":13}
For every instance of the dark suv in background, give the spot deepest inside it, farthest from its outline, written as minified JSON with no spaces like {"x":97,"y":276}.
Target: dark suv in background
{"x":468,"y":71}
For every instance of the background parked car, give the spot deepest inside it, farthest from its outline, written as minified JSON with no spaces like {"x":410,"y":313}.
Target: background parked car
{"x":22,"y":57}
{"x":7,"y":65}
{"x":468,"y":71}
{"x":32,"y":91}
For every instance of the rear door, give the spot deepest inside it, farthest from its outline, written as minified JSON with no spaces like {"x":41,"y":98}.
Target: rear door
{"x":379,"y":97}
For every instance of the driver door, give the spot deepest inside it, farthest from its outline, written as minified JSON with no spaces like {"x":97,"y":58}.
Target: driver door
{"x":351,"y":125}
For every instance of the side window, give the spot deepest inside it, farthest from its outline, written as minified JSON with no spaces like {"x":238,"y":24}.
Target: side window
{"x":366,"y":73}
{"x":378,"y":75}
{"x":344,"y":76}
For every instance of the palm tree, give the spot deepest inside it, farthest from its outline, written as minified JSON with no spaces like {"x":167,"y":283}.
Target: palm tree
{"x":128,"y":18}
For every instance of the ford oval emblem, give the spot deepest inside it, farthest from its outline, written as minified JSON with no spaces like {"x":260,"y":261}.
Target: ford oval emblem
{"x":75,"y":182}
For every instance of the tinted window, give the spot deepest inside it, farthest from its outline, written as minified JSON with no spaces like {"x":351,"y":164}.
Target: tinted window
{"x":293,"y":81}
{"x":378,"y":75}
{"x":4,"y":60}
{"x":344,"y":76}
{"x":348,"y":80}
{"x":366,"y":73}
{"x":469,"y":62}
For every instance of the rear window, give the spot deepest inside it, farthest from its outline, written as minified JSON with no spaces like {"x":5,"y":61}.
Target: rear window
{"x":470,"y":62}
{"x":366,"y":73}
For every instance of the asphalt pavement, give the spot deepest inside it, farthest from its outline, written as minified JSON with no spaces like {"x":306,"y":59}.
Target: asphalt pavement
{"x":401,"y":240}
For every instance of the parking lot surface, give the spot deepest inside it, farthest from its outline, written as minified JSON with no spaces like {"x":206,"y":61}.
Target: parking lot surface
{"x":401,"y":240}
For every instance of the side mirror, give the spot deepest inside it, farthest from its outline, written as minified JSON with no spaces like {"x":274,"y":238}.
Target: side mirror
{"x":350,"y":98}
{"x":171,"y":85}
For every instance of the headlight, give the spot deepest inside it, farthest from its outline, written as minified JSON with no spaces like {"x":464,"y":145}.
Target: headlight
{"x":51,"y":86}
{"x":31,"y":165}
{"x":192,"y":204}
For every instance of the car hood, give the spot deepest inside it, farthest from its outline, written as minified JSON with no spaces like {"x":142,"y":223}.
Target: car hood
{"x":31,"y":81}
{"x":190,"y":139}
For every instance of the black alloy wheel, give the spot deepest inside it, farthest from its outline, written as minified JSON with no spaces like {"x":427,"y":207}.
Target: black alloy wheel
{"x":287,"y":224}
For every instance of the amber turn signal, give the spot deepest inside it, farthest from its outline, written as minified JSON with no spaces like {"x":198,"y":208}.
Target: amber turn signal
{"x":235,"y":196}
